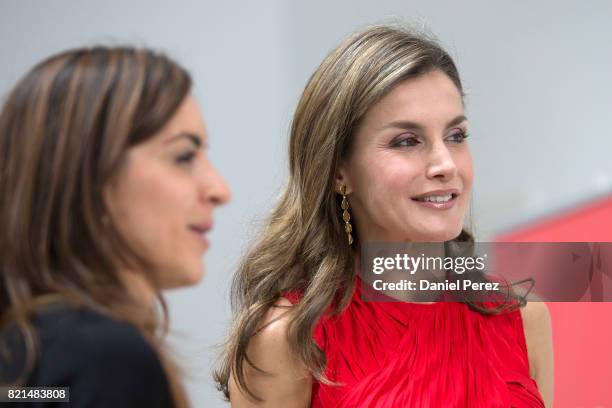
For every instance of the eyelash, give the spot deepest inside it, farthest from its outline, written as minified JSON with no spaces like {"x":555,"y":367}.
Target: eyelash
{"x":462,"y":134}
{"x":186,"y":157}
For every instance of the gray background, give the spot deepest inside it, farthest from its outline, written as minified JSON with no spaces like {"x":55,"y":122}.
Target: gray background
{"x":539,"y":98}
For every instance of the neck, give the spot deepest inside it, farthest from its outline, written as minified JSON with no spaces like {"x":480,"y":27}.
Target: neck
{"x":139,"y":288}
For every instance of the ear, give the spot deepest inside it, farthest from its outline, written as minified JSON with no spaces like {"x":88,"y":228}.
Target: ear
{"x":342,"y":179}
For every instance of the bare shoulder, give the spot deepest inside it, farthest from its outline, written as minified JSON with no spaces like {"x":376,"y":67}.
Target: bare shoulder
{"x":276,"y":375}
{"x":538,"y":337}
{"x":272,"y":332}
{"x":535,"y":314}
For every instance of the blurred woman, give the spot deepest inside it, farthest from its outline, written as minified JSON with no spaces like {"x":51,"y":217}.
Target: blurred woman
{"x":378,"y":153}
{"x":107,"y":199}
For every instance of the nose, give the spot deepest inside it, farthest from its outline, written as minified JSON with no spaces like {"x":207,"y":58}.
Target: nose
{"x":213,"y":188}
{"x":440,"y":163}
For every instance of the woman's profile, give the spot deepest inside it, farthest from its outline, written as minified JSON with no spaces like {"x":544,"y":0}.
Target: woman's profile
{"x":107,"y":199}
{"x":377,"y":153}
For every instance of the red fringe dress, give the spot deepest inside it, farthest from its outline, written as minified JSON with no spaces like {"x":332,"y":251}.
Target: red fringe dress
{"x":400,"y":354}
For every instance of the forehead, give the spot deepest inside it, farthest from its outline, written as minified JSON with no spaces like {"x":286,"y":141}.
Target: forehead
{"x":428,"y":98}
{"x":186,"y":119}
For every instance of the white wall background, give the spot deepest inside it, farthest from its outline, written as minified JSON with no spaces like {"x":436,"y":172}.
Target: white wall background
{"x":537,"y":75}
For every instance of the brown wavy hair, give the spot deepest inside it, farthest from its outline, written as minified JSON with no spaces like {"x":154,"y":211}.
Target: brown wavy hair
{"x":303,"y":247}
{"x":65,"y":130}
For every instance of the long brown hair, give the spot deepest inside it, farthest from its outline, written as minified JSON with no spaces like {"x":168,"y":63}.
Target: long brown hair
{"x":303,"y":246}
{"x":65,"y":130}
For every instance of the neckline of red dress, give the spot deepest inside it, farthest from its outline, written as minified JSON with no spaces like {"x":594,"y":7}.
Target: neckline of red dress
{"x":383,"y":298}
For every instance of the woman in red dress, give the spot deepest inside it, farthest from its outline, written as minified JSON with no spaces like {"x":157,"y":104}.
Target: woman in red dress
{"x":378,"y":153}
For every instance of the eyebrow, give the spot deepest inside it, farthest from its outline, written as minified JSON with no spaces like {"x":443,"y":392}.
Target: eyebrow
{"x":195,"y":139}
{"x":408,"y":125}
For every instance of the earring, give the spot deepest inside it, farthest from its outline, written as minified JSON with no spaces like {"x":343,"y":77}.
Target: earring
{"x":346,"y":216}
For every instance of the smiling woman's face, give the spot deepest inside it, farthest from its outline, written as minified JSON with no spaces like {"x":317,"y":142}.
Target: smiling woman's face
{"x":411,"y":144}
{"x":164,"y":197}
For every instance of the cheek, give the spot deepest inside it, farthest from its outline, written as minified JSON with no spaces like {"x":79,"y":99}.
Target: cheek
{"x":169,"y":213}
{"x":389,"y":177}
{"x":383,"y":185}
{"x":153,"y":213}
{"x":465,"y":169}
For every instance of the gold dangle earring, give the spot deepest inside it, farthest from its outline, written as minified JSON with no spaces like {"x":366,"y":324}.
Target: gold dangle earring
{"x":346,"y":216}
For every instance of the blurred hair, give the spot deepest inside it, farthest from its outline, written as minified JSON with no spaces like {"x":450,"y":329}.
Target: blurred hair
{"x":65,"y":130}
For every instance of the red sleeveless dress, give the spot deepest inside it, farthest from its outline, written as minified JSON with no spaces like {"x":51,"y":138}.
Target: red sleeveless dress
{"x":399,"y":354}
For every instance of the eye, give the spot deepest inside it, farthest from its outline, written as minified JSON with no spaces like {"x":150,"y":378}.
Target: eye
{"x":186,"y":158}
{"x":405,"y":142}
{"x":459,"y":137}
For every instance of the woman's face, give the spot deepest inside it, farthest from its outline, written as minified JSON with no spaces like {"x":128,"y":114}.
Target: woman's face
{"x":164,"y":197}
{"x":408,"y":146}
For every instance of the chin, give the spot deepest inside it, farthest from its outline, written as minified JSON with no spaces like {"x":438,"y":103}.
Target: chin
{"x":443,"y":235}
{"x":184,"y":277}
{"x":194,"y":277}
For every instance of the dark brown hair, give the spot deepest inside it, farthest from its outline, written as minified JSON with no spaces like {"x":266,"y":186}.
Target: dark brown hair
{"x":65,"y":130}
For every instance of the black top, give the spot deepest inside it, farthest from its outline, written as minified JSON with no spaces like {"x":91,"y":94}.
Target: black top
{"x":105,"y":363}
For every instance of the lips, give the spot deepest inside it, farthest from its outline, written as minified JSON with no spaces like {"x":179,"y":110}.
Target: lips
{"x":453,"y":191}
{"x":438,"y":199}
{"x":201,"y":230}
